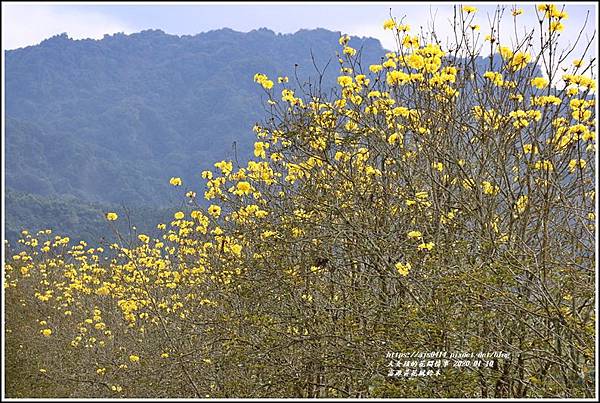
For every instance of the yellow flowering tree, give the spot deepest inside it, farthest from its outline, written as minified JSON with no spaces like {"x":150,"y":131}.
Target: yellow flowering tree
{"x":426,"y":204}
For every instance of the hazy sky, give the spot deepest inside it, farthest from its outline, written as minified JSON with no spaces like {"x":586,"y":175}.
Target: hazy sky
{"x":26,"y":24}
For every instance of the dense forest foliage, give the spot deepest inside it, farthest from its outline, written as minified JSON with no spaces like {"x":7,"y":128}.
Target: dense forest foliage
{"x":80,"y":220}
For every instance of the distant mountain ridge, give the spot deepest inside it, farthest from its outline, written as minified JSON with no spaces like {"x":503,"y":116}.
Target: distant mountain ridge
{"x":109,"y":121}
{"x":127,"y":112}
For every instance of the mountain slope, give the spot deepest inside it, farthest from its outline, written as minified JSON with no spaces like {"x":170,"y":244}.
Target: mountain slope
{"x":69,"y":216}
{"x":111,"y":120}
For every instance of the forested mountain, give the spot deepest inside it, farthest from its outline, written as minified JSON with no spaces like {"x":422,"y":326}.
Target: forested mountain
{"x":93,"y":125}
{"x":109,"y":121}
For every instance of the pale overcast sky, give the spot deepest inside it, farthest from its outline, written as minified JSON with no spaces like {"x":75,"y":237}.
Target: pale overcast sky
{"x":25,"y":24}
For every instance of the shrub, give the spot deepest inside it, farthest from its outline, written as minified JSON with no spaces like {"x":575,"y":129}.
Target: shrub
{"x":439,"y":201}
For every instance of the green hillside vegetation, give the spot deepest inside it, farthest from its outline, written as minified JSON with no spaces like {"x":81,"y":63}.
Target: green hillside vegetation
{"x":67,"y":215}
{"x":111,"y":120}
{"x":420,"y":227}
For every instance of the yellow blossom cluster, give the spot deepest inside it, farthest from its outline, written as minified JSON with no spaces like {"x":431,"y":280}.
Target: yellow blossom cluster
{"x":412,"y":173}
